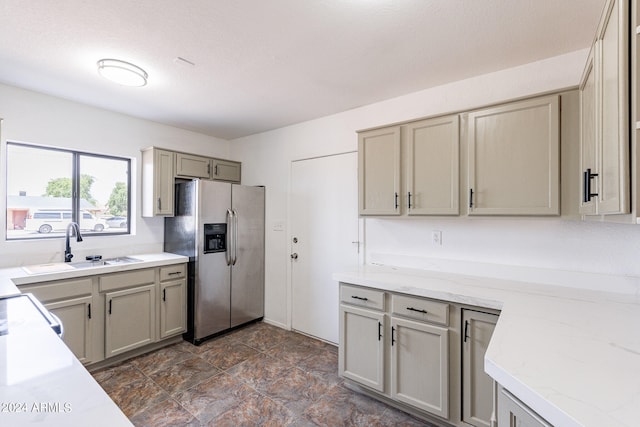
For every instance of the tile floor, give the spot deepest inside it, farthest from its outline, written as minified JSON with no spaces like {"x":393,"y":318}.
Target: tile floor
{"x":259,"y":375}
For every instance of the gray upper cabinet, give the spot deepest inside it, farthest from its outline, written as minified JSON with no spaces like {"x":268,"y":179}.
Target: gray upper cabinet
{"x":588,"y":157}
{"x":226,"y":170}
{"x":379,"y":171}
{"x":432,"y":166}
{"x":605,"y":116}
{"x":411,"y":169}
{"x":157,"y":182}
{"x":160,"y":168}
{"x":190,"y":166}
{"x":513,"y":158}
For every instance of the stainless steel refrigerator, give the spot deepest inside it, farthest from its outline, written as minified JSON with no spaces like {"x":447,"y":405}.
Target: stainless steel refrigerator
{"x":220,"y":227}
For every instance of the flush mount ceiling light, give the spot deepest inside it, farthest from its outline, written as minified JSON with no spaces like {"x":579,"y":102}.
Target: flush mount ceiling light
{"x":122,"y":72}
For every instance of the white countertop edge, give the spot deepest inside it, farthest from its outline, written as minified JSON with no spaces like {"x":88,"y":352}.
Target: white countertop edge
{"x":550,"y":412}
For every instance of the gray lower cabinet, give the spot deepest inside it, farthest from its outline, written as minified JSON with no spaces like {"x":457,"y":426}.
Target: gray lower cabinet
{"x":513,"y":413}
{"x":420,"y":365}
{"x":425,"y":356}
{"x":105,"y":315}
{"x":361,"y":354}
{"x":477,"y":386}
{"x":72,"y":301}
{"x":75,"y":315}
{"x":173,"y":300}
{"x":130,"y":319}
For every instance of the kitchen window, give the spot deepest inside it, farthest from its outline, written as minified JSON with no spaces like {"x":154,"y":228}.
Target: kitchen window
{"x":47,"y":188}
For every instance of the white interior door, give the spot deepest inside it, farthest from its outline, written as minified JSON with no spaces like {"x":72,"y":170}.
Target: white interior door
{"x":324,"y":239}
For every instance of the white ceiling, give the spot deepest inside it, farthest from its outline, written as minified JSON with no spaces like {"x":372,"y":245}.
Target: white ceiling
{"x":264,"y":64}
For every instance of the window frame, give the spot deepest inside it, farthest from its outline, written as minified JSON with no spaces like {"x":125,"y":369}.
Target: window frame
{"x":75,"y":189}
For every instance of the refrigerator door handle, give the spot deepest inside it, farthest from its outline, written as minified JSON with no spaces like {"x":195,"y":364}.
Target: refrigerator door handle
{"x":235,"y":237}
{"x":227,"y":253}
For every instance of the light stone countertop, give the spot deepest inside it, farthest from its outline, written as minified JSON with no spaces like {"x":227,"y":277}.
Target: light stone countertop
{"x":41,"y":381}
{"x":572,"y":355}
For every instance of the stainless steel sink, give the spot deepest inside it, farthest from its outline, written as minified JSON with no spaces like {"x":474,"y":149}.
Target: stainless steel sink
{"x":109,"y":261}
{"x":121,"y":260}
{"x":88,"y":264}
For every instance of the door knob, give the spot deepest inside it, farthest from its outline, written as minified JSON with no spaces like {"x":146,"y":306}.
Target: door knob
{"x":294,"y":256}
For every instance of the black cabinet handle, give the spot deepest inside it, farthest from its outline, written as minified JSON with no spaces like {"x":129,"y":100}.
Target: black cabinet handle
{"x":209,"y":169}
{"x":396,"y":200}
{"x":466,"y":330}
{"x":393,"y":335}
{"x":164,"y":295}
{"x":417,"y":309}
{"x":110,"y":306}
{"x":89,"y":310}
{"x":360,"y":298}
{"x":587,"y":176}
{"x":173,"y":273}
{"x":379,"y":331}
{"x":409,"y":199}
{"x":471,"y":198}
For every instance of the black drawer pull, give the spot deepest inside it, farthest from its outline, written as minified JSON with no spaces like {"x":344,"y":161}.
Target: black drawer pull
{"x":174,"y":273}
{"x":360,"y":298}
{"x":417,"y":309}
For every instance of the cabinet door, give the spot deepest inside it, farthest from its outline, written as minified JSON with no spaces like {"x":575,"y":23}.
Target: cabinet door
{"x":75,"y":315}
{"x":432,"y":166}
{"x":477,"y":386}
{"x":613,"y":191}
{"x":420,"y":365}
{"x":514,"y":159}
{"x":513,"y":413}
{"x":190,"y":166}
{"x":361,"y":351}
{"x":130,"y":319}
{"x":173,"y":308}
{"x":226,"y":170}
{"x":157,"y":183}
{"x":379,"y":172}
{"x":588,"y":129}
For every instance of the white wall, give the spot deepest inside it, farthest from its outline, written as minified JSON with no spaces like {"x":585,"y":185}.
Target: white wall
{"x":40,"y":119}
{"x":547,"y":243}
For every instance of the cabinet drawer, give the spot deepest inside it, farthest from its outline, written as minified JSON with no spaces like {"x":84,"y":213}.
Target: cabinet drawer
{"x":52,"y":291}
{"x":363,"y":297}
{"x":114,"y":281}
{"x":420,"y":309}
{"x":171,"y":272}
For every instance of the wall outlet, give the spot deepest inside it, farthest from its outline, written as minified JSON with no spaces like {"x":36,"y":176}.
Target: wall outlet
{"x":436,"y":237}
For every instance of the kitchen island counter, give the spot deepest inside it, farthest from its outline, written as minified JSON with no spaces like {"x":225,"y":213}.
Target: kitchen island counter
{"x":570,"y":354}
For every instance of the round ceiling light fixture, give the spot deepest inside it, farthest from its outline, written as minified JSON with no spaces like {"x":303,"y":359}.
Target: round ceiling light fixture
{"x":122,"y":72}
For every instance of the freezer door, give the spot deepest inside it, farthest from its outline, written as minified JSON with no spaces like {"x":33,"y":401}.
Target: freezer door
{"x":247,"y":274}
{"x":212,"y":275}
